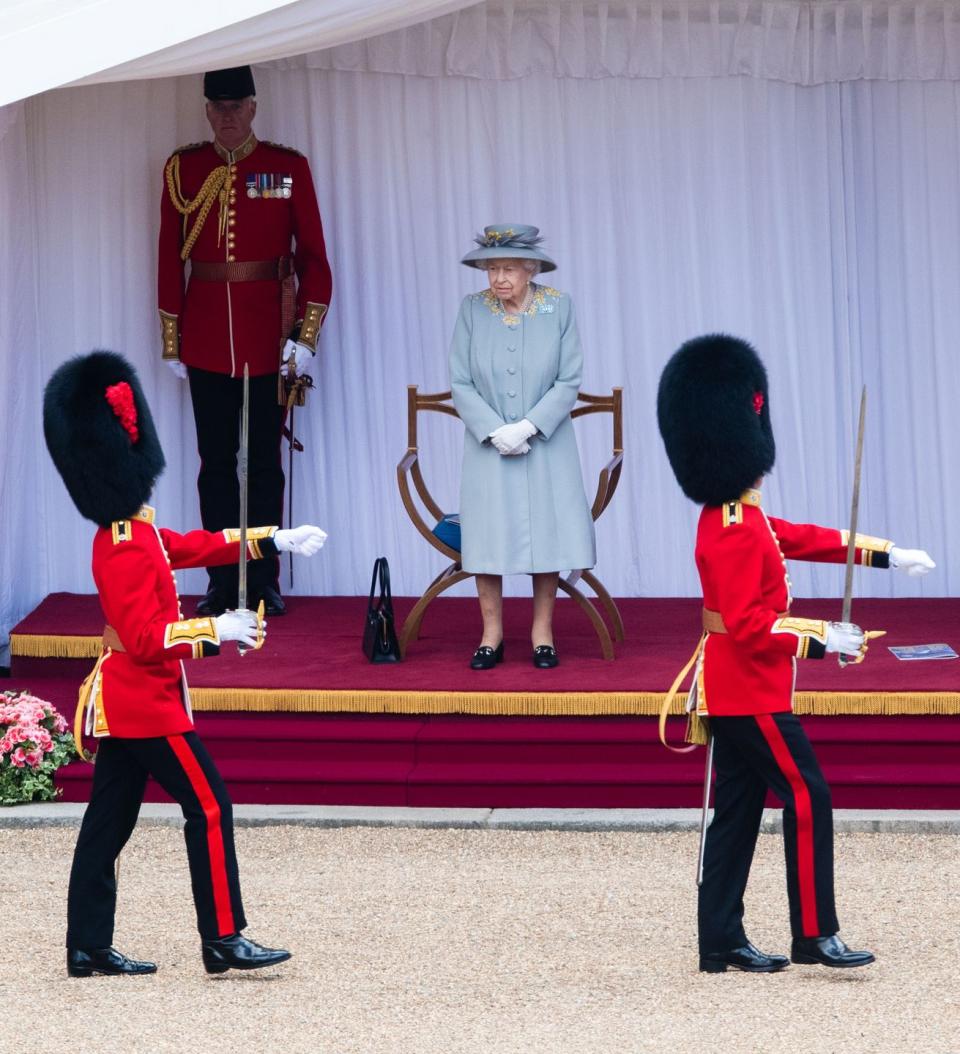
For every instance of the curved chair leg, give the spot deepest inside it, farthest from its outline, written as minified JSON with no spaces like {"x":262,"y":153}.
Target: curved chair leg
{"x":606,"y":644}
{"x":613,"y":612}
{"x":411,"y":625}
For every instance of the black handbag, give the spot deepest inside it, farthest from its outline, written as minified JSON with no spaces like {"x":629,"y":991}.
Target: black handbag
{"x":379,"y":633}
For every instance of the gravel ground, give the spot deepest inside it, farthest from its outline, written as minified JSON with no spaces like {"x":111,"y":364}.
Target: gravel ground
{"x":409,"y":941}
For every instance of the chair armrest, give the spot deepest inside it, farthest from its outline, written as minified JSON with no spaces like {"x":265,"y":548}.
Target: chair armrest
{"x":607,"y":484}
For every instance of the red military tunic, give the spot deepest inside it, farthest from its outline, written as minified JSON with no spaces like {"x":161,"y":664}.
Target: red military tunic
{"x":258,"y":199}
{"x":741,"y":555}
{"x":141,"y":690}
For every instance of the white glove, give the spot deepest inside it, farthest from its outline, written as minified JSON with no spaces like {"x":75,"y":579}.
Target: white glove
{"x":239,"y":626}
{"x":177,"y":368}
{"x":297,"y":356}
{"x":914,"y":562}
{"x":304,"y":541}
{"x":509,"y":439}
{"x":845,"y":638}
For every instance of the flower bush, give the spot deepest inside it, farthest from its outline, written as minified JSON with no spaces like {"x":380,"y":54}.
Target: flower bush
{"x":34,"y":743}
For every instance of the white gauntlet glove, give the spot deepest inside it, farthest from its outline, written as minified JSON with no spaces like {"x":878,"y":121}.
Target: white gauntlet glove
{"x":512,"y":438}
{"x":304,"y":541}
{"x":297,"y":357}
{"x":914,"y":562}
{"x":845,"y":638}
{"x":177,"y":368}
{"x":240,"y":626}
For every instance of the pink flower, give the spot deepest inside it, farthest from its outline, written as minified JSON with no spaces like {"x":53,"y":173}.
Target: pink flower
{"x":19,"y":758}
{"x":33,"y":758}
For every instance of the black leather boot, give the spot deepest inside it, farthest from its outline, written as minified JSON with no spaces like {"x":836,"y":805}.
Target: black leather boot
{"x":236,"y":952}
{"x":827,"y":951}
{"x":85,"y":962}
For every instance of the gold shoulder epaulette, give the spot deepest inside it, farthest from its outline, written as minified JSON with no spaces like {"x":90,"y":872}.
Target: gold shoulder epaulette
{"x":122,"y":531}
{"x":732,"y":513}
{"x":191,"y":146}
{"x":280,"y":146}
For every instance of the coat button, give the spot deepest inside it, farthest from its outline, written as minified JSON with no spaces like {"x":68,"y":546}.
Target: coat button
{"x":511,"y":349}
{"x":512,"y":395}
{"x":513,"y":417}
{"x":511,"y":369}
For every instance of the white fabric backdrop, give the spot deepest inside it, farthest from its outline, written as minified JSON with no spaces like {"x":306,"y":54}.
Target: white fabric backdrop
{"x":821,"y":222}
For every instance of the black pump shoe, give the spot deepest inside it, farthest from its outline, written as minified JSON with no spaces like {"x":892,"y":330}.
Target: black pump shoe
{"x":545,"y":657}
{"x":747,"y":958}
{"x":827,"y":951}
{"x":485,"y":657}
{"x":238,"y":953}
{"x":85,"y":962}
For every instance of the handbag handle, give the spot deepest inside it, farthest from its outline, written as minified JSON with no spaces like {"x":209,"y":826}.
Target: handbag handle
{"x":381,"y":570}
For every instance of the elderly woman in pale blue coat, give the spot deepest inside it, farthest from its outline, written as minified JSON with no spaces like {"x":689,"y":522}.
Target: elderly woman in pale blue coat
{"x":515,"y":367}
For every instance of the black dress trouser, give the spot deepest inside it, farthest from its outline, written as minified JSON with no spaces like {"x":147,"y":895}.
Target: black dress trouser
{"x":751,"y":756}
{"x":217,"y":409}
{"x":181,"y":765}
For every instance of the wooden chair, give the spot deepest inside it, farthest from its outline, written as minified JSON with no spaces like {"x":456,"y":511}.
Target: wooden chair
{"x":409,"y":470}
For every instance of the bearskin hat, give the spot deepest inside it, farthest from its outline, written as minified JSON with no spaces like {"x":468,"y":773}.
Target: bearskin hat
{"x":713,"y":409}
{"x":101,"y":436}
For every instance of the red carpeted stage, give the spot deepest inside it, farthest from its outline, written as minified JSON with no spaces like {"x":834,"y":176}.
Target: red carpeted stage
{"x":307,"y":719}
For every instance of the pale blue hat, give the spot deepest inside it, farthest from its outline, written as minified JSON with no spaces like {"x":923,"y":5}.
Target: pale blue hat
{"x":508,"y":241}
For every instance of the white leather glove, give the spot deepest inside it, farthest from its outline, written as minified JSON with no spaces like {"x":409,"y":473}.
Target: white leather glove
{"x":240,"y":626}
{"x":845,"y":638}
{"x":304,"y":541}
{"x":914,"y":562}
{"x":177,"y":368}
{"x":297,"y":355}
{"x":509,"y":439}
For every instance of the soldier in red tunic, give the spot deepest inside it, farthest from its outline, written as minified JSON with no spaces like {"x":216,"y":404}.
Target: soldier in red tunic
{"x":102,"y":439}
{"x":713,"y":410}
{"x":232,"y":208}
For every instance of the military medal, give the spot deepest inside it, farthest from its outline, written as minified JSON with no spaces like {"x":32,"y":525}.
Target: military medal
{"x":252,"y":185}
{"x":287,"y":190}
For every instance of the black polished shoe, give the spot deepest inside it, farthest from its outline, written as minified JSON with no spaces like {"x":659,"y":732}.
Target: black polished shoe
{"x":827,"y":951}
{"x":485,"y":657}
{"x":85,"y":962}
{"x":747,"y":958}
{"x":214,"y":603}
{"x":238,"y":953}
{"x":545,"y":657}
{"x":272,"y":602}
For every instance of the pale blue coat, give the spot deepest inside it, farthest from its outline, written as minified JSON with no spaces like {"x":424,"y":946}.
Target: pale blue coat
{"x":525,"y":513}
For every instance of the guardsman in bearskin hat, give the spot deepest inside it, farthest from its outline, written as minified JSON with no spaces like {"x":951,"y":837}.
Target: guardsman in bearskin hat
{"x":244,"y":213}
{"x":713,"y":409}
{"x":103,"y":442}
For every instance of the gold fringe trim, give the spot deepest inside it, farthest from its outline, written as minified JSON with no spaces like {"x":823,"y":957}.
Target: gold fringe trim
{"x":552,"y":704}
{"x":58,"y":646}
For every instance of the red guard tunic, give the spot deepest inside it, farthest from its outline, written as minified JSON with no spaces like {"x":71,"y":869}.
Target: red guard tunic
{"x":741,"y":555}
{"x":239,"y":208}
{"x":141,"y":691}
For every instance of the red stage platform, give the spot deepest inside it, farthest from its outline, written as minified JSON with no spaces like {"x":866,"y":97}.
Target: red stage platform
{"x":309,"y":720}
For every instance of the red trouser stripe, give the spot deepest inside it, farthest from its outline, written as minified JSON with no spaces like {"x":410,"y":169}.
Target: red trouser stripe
{"x":211,"y":809}
{"x":801,"y":797}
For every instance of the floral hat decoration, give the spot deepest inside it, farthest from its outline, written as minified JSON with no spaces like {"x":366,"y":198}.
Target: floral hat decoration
{"x":508,"y":241}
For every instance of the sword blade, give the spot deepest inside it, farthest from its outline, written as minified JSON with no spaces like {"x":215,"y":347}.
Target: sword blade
{"x":854,"y":511}
{"x":707,"y":778}
{"x":242,"y":476}
{"x":290,"y":485}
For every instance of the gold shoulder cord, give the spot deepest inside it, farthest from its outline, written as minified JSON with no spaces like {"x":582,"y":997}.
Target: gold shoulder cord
{"x":214,"y":186}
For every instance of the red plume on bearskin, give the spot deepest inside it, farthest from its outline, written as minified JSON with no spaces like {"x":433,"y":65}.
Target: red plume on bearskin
{"x":713,"y":408}
{"x":101,"y":436}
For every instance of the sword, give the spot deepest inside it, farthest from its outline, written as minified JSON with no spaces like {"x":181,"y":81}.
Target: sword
{"x":242,"y":475}
{"x":290,"y":485}
{"x":707,"y":777}
{"x":842,"y":659}
{"x":242,"y":478}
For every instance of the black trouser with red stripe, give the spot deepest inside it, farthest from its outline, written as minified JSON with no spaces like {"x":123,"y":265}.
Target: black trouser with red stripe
{"x":751,"y":755}
{"x":217,"y":405}
{"x":181,"y":765}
